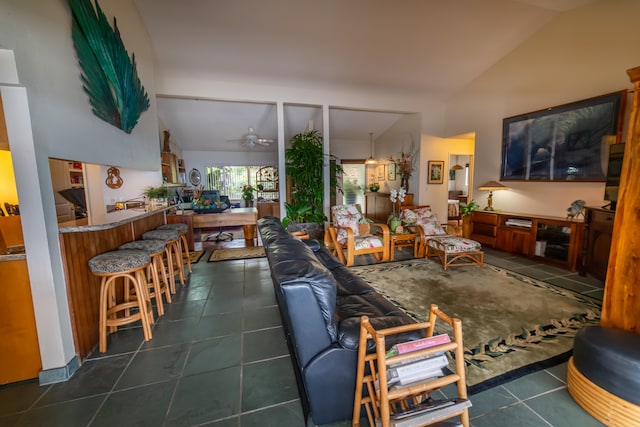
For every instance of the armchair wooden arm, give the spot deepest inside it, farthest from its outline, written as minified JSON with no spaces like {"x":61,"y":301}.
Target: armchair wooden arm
{"x":348,"y":259}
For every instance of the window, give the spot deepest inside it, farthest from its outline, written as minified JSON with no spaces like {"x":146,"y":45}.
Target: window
{"x":230,"y":179}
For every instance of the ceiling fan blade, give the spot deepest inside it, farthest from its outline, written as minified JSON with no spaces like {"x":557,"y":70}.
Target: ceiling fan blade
{"x":264,"y":142}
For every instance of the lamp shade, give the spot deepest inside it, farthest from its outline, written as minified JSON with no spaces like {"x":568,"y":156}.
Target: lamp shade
{"x":492,"y":186}
{"x":371,"y":160}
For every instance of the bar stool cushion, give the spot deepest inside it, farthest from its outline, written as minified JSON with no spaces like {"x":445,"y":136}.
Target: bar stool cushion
{"x":164,"y":235}
{"x":117,"y":261}
{"x":150,"y":246}
{"x":179,"y":227}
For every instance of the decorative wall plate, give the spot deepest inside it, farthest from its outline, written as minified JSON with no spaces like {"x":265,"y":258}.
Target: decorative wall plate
{"x":194,"y":177}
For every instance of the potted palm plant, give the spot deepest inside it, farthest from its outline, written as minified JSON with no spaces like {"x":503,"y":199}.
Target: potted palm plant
{"x":304,"y":166}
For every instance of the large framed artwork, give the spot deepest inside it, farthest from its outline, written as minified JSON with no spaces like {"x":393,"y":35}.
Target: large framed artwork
{"x":565,"y":143}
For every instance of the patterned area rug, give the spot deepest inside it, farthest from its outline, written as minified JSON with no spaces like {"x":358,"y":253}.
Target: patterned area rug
{"x":512,"y":324}
{"x":237,"y":253}
{"x":195,"y":256}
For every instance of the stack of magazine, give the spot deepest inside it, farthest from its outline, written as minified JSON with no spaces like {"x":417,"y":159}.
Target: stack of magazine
{"x":418,"y":369}
{"x":431,"y":410}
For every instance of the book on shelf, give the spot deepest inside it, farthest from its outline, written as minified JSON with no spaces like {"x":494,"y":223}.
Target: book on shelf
{"x":416,"y":370}
{"x":421,"y":344}
{"x":429,"y":411}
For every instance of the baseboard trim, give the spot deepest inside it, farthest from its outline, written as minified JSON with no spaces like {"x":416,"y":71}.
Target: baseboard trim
{"x":56,"y":375}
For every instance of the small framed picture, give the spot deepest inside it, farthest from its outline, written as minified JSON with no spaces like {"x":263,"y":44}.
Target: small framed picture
{"x":380,"y":173}
{"x":435,"y":169}
{"x":391,"y":172}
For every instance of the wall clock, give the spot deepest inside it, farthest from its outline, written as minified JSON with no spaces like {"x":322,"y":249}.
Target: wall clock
{"x":194,"y":177}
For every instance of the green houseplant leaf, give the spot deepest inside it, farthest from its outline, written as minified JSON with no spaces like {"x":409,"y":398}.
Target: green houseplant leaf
{"x":109,"y":76}
{"x":304,"y":165}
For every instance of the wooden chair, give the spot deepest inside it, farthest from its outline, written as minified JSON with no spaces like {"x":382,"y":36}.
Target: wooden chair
{"x":350,"y":234}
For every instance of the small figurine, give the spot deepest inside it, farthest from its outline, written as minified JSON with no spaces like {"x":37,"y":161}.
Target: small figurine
{"x":576,"y":209}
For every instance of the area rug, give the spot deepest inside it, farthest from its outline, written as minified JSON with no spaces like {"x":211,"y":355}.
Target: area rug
{"x":512,"y":325}
{"x":237,"y":253}
{"x":195,"y":256}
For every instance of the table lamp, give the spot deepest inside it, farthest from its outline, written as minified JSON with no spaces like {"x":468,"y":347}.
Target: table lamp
{"x":491,"y":186}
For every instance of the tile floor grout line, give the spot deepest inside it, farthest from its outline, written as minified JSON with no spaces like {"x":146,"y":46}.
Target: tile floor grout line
{"x":114,"y":384}
{"x":537,"y":414}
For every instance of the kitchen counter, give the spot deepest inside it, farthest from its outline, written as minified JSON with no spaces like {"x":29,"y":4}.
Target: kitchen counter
{"x":111,"y":219}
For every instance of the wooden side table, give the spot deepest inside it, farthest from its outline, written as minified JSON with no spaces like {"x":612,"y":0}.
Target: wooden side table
{"x":403,"y":239}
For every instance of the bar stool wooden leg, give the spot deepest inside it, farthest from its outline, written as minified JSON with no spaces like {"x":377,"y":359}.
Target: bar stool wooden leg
{"x":124,"y":268}
{"x":184,"y":244}
{"x":165,"y":287}
{"x":169,"y":269}
{"x":176,"y":255}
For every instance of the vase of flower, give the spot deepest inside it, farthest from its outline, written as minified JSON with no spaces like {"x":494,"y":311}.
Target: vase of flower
{"x":396,"y":197}
{"x":394,"y":223}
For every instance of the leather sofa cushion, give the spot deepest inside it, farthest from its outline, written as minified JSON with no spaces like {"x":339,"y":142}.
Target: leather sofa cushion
{"x":292,"y":261}
{"x":610,"y":358}
{"x":271,"y":230}
{"x":382,"y":314}
{"x":348,"y":283}
{"x":349,"y":331}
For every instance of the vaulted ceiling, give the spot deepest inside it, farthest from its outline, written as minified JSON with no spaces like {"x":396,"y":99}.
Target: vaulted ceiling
{"x":427,"y":48}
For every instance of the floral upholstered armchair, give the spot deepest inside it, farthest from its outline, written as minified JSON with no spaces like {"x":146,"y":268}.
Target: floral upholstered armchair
{"x":451,"y":250}
{"x":350,"y":234}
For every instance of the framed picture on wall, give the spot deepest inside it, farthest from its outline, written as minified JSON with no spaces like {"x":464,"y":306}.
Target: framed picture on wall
{"x":391,"y":172}
{"x":435,"y":170}
{"x":380,"y":173}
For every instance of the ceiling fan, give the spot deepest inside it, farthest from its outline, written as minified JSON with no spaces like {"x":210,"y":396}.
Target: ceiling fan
{"x":251,"y":139}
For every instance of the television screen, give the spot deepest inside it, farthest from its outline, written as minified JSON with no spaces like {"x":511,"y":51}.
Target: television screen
{"x":614,"y":169}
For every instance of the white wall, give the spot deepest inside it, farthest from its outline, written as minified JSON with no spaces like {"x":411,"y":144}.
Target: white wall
{"x":580,"y":54}
{"x":59,"y":123}
{"x":399,"y":138}
{"x":434,"y":148}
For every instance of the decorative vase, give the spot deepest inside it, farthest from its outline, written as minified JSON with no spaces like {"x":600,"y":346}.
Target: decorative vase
{"x":404,"y":183}
{"x":394,"y":223}
{"x":374,"y":187}
{"x":467,"y":226}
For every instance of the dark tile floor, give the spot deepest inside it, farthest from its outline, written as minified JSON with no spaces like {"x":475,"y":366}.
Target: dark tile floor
{"x":218,"y":358}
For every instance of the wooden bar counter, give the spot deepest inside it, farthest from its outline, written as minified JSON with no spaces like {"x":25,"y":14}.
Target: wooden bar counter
{"x":82,"y":240}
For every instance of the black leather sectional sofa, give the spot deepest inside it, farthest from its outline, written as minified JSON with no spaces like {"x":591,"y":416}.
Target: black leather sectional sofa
{"x":321,"y":303}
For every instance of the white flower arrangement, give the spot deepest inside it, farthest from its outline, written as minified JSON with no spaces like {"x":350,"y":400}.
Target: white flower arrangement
{"x":397,"y":196}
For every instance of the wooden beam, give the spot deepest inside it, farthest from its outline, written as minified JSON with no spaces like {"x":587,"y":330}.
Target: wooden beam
{"x":621,"y":303}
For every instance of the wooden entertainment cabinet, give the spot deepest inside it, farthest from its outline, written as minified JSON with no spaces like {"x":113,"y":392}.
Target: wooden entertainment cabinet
{"x":552,"y":240}
{"x":599,"y":234}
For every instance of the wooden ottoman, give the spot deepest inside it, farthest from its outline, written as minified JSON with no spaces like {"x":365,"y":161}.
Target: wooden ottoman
{"x":454,"y":251}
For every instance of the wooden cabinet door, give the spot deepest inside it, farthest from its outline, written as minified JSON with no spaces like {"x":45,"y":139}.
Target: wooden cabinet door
{"x":169,"y":167}
{"x":521,"y":242}
{"x":598,"y":245}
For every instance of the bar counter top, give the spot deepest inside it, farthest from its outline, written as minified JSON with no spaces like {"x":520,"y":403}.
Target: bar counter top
{"x":110,"y":220}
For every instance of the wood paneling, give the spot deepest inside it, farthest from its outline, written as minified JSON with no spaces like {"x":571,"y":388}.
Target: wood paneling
{"x":621,"y":303}
{"x":83,"y":288}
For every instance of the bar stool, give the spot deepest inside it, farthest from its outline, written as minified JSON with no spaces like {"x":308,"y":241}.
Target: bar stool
{"x":130,"y":265}
{"x":156,"y":250}
{"x":172,"y":252}
{"x":183,"y":230}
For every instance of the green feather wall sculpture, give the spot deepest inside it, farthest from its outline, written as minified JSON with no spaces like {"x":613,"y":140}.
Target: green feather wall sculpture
{"x":109,"y":77}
